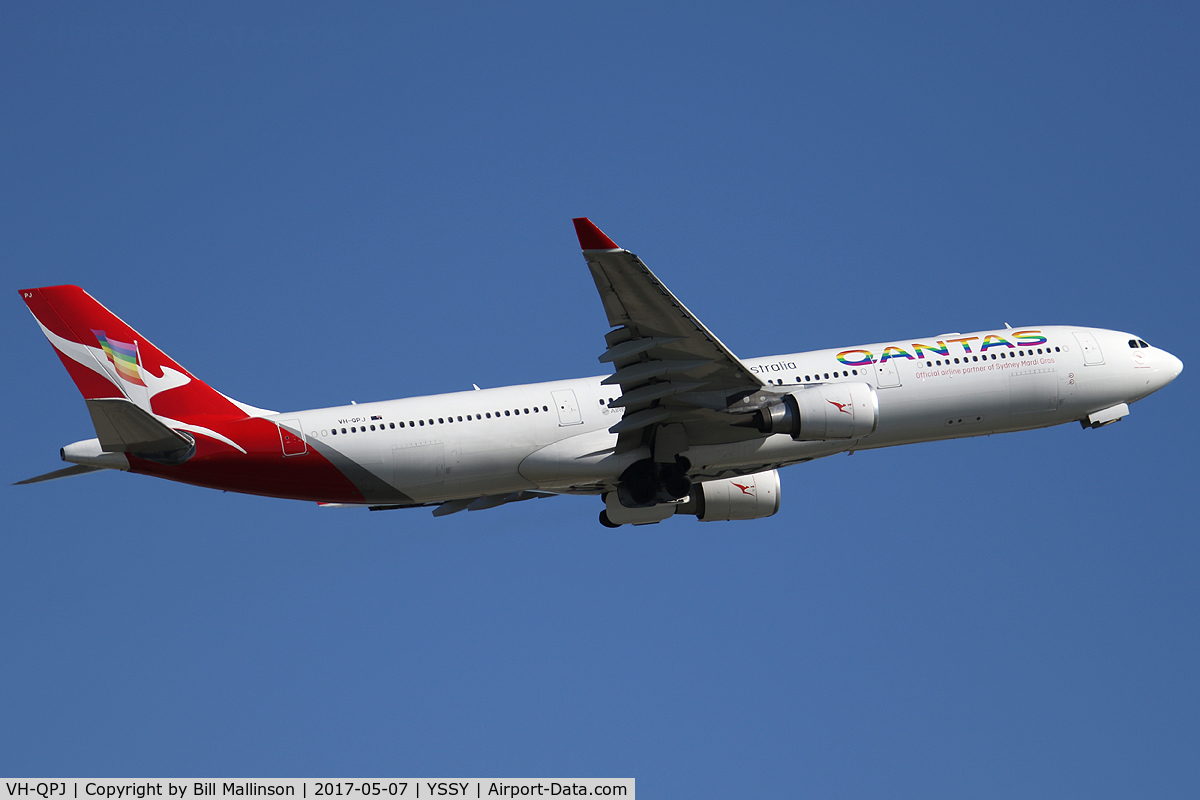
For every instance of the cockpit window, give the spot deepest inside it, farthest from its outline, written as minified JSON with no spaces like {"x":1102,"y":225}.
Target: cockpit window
{"x":1141,"y":343}
{"x":1133,"y":344}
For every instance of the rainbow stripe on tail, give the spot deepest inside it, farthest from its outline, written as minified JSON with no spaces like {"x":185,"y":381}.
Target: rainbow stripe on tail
{"x":123,"y":356}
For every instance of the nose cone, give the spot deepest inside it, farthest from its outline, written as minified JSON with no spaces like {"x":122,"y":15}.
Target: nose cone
{"x":1166,"y":369}
{"x":1174,"y":366}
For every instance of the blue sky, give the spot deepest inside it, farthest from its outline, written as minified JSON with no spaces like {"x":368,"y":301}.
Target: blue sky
{"x":310,"y":204}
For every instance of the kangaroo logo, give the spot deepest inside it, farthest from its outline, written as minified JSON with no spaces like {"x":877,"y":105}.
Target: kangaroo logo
{"x":746,"y":490}
{"x":842,"y":407}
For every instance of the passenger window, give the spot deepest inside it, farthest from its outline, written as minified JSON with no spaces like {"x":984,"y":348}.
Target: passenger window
{"x":422,"y":423}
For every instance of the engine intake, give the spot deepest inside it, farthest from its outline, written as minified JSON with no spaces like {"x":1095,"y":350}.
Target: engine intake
{"x":831,"y":411}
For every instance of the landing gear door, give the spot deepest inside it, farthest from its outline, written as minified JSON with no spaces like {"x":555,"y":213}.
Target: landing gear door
{"x":568,"y":407}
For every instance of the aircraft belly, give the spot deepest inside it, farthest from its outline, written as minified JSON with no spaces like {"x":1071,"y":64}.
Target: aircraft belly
{"x":485,"y":472}
{"x":950,"y":407}
{"x":587,"y":458}
{"x":945,"y":408}
{"x":741,"y":457}
{"x":418,"y":468}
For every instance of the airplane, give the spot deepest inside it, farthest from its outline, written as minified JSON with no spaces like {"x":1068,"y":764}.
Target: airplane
{"x":681,"y":426}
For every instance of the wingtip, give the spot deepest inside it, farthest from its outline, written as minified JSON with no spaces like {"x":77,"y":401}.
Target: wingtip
{"x":591,"y":237}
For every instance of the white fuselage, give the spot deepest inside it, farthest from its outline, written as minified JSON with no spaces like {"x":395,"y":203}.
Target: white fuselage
{"x":554,"y":436}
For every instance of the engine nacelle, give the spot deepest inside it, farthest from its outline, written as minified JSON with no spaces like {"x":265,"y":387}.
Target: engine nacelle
{"x":829,"y":411}
{"x":748,"y":497}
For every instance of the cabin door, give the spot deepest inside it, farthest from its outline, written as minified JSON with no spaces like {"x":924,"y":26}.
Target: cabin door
{"x":886,"y":374}
{"x":1091,"y":348}
{"x":568,"y":407}
{"x":291,"y":436}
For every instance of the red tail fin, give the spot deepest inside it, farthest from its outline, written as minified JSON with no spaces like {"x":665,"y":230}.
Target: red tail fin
{"x":107,"y":358}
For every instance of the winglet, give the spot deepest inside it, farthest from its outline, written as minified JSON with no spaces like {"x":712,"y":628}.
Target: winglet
{"x":591,"y":237}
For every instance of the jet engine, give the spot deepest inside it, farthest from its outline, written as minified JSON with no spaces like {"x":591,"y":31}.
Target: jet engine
{"x":748,"y":497}
{"x":830,"y":411}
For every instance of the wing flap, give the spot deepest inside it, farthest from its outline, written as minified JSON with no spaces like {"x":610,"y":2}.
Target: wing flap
{"x":634,"y":347}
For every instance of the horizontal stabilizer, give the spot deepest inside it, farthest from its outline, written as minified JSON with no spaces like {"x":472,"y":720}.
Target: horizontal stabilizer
{"x":123,"y":427}
{"x":78,"y":469}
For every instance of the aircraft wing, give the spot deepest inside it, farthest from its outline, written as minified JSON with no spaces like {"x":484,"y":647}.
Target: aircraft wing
{"x":671,"y":369}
